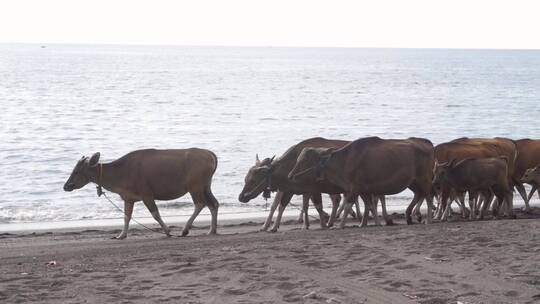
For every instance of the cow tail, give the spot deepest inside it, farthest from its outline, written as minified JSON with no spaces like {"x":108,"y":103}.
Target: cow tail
{"x":215,"y":162}
{"x":210,"y":198}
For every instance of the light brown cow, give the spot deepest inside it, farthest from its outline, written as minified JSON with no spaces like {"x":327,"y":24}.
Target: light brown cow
{"x":463,"y":148}
{"x":373,"y":166}
{"x":528,"y":157}
{"x":505,"y":147}
{"x":483,"y":175}
{"x":149,"y":175}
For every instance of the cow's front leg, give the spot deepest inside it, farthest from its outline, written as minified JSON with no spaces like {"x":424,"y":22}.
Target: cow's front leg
{"x":304,"y":216}
{"x":273,"y":208}
{"x":317,"y":202}
{"x":335,"y":205}
{"x":151,"y":205}
{"x":128,"y":211}
{"x":285,"y":199}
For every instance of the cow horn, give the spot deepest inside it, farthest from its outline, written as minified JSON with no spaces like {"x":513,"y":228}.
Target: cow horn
{"x":257,"y":160}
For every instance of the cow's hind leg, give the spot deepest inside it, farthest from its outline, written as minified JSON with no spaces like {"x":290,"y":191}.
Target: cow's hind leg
{"x":385,"y":215}
{"x":151,"y":205}
{"x":198,"y":200}
{"x":128,"y":211}
{"x":412,"y":204}
{"x":317,"y":202}
{"x":213,"y":205}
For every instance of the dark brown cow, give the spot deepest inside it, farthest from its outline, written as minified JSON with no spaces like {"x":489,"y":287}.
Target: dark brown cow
{"x":482,"y":175}
{"x":149,"y":175}
{"x":528,"y":157}
{"x":271,"y":175}
{"x":373,"y":166}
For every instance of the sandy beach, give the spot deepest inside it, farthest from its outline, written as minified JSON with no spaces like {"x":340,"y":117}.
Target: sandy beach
{"x":492,"y":261}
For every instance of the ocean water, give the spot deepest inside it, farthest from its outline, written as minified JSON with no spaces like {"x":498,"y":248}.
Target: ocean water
{"x":60,"y":102}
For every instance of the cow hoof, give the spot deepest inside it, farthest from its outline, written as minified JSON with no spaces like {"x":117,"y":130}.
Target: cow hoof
{"x":212,"y":232}
{"x":185,"y":232}
{"x":273,"y":230}
{"x":305,"y":227}
{"x":121,"y":236}
{"x":409,"y":221}
{"x":263,"y":229}
{"x":389,"y":223}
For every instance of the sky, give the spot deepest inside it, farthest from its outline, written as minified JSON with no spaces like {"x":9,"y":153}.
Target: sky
{"x":332,"y":23}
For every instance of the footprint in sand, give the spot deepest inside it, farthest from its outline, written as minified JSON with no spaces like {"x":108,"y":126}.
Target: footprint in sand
{"x":234,"y":292}
{"x":394,"y":261}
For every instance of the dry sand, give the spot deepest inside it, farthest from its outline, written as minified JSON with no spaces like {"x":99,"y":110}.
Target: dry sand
{"x":494,"y":261}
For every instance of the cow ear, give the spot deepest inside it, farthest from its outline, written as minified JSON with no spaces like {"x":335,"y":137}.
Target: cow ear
{"x":94,"y":160}
{"x":272,"y":159}
{"x":257,"y":160}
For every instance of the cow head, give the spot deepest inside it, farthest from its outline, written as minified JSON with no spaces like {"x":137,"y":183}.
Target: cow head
{"x":531,"y":176}
{"x":440,"y":172}
{"x":257,"y":179}
{"x":80,"y":176}
{"x":310,"y":164}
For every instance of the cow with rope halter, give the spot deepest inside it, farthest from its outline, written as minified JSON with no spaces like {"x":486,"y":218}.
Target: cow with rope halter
{"x":149,"y":175}
{"x":272,"y":175}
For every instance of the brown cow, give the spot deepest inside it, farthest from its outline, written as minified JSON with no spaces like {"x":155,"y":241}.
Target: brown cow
{"x":463,"y":148}
{"x":150,"y":175}
{"x":528,"y":157}
{"x":373,"y":166}
{"x":505,"y":147}
{"x":482,"y":175}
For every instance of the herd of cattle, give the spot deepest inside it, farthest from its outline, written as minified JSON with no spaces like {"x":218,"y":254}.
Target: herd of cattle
{"x":486,"y":170}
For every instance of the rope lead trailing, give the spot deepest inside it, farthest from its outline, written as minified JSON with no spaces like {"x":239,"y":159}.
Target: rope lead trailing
{"x":101,"y":192}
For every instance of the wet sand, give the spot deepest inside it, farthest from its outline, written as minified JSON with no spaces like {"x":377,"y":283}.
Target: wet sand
{"x":492,"y":261}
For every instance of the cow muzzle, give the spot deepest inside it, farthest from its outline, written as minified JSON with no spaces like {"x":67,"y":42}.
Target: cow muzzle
{"x":68,"y":187}
{"x":242,"y":198}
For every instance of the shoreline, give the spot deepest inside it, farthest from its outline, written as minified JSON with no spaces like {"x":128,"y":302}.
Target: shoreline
{"x":444,"y":262}
{"x":228,"y":218}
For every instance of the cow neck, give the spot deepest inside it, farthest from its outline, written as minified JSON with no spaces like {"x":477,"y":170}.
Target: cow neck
{"x":333,"y":168}
{"x":273,"y":175}
{"x":103,"y":177}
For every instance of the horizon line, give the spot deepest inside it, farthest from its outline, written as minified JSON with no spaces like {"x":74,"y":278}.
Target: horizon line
{"x":270,"y":46}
